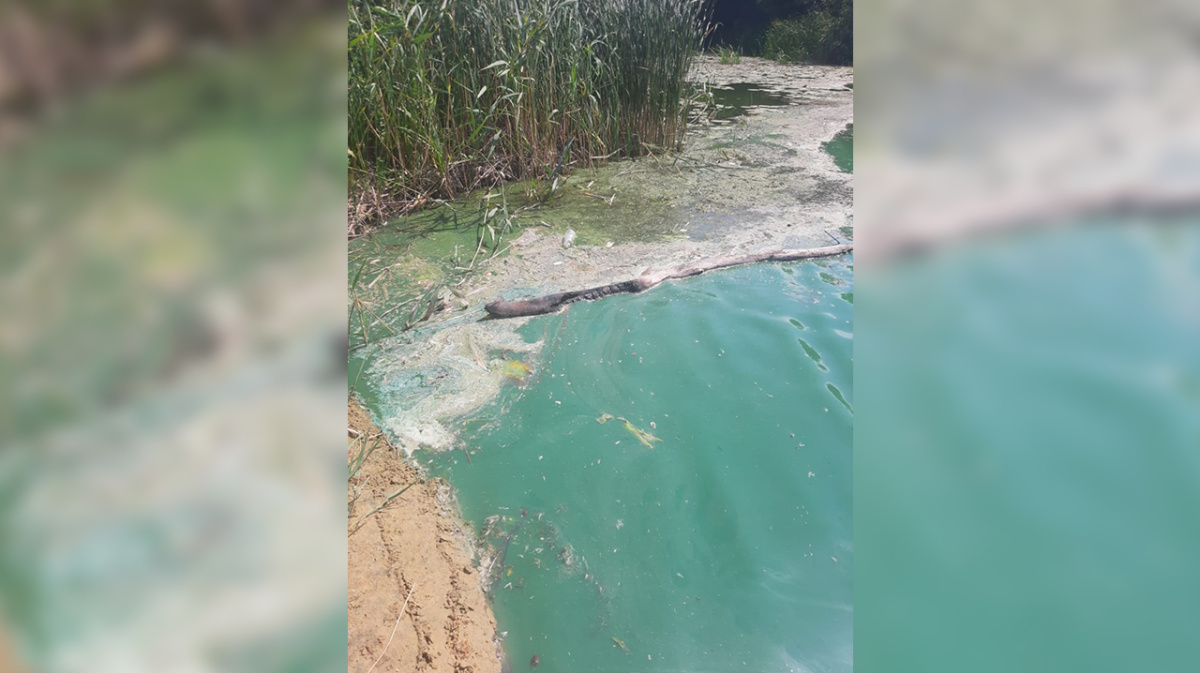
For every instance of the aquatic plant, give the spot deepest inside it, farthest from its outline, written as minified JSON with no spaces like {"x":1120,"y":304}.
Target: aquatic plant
{"x":729,"y":55}
{"x":448,"y":96}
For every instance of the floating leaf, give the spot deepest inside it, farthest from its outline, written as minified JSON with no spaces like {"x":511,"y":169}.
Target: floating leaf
{"x":642,"y":436}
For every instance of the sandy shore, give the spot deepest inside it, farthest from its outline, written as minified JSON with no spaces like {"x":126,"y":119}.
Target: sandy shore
{"x":415,"y":544}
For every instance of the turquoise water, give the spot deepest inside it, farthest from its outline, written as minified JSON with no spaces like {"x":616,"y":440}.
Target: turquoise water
{"x":1027,"y":456}
{"x":727,"y":544}
{"x":841,"y":148}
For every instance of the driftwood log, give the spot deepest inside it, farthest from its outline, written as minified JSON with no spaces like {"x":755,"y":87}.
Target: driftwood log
{"x":550,"y":303}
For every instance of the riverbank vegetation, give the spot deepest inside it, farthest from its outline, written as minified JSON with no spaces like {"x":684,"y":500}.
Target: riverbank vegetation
{"x":788,"y":31}
{"x":824,"y":36}
{"x":450,"y":96}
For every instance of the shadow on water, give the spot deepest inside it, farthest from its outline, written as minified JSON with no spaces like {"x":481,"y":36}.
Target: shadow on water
{"x":736,"y":99}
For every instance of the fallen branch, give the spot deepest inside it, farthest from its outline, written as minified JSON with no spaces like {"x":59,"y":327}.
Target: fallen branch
{"x":553,"y":302}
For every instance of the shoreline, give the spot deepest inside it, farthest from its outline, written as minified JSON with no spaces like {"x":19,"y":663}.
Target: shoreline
{"x":762,"y":182}
{"x":416,"y":548}
{"x":759,"y":183}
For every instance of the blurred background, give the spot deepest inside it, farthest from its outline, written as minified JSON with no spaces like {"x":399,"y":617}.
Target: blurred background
{"x":172,"y":321}
{"x":1027,"y":369}
{"x":172,"y":269}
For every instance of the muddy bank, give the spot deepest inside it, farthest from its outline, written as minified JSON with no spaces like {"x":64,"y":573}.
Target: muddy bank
{"x":414,"y":544}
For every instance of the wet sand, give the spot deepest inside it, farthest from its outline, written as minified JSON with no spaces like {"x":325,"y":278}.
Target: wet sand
{"x":415,"y":544}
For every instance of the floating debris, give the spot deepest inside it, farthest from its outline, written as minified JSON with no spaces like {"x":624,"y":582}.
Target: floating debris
{"x":620,"y":643}
{"x":534,"y":661}
{"x":642,"y":436}
{"x":516,"y":370}
{"x":604,"y":418}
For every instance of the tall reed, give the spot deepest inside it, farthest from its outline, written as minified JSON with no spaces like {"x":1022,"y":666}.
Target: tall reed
{"x":446,"y":96}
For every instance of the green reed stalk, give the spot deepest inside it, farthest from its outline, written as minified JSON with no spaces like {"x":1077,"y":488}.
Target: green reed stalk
{"x":450,"y":95}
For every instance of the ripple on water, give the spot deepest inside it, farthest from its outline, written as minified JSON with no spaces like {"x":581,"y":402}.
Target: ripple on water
{"x":724,"y":539}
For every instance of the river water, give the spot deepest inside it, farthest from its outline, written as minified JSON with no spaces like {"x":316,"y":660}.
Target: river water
{"x":720,"y":540}
{"x":1027,"y":479}
{"x":841,"y":148}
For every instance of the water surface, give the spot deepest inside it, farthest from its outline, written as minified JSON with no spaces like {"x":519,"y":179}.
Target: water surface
{"x":1028,"y":473}
{"x":734,"y":100}
{"x":841,"y":148}
{"x":722,"y":543}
